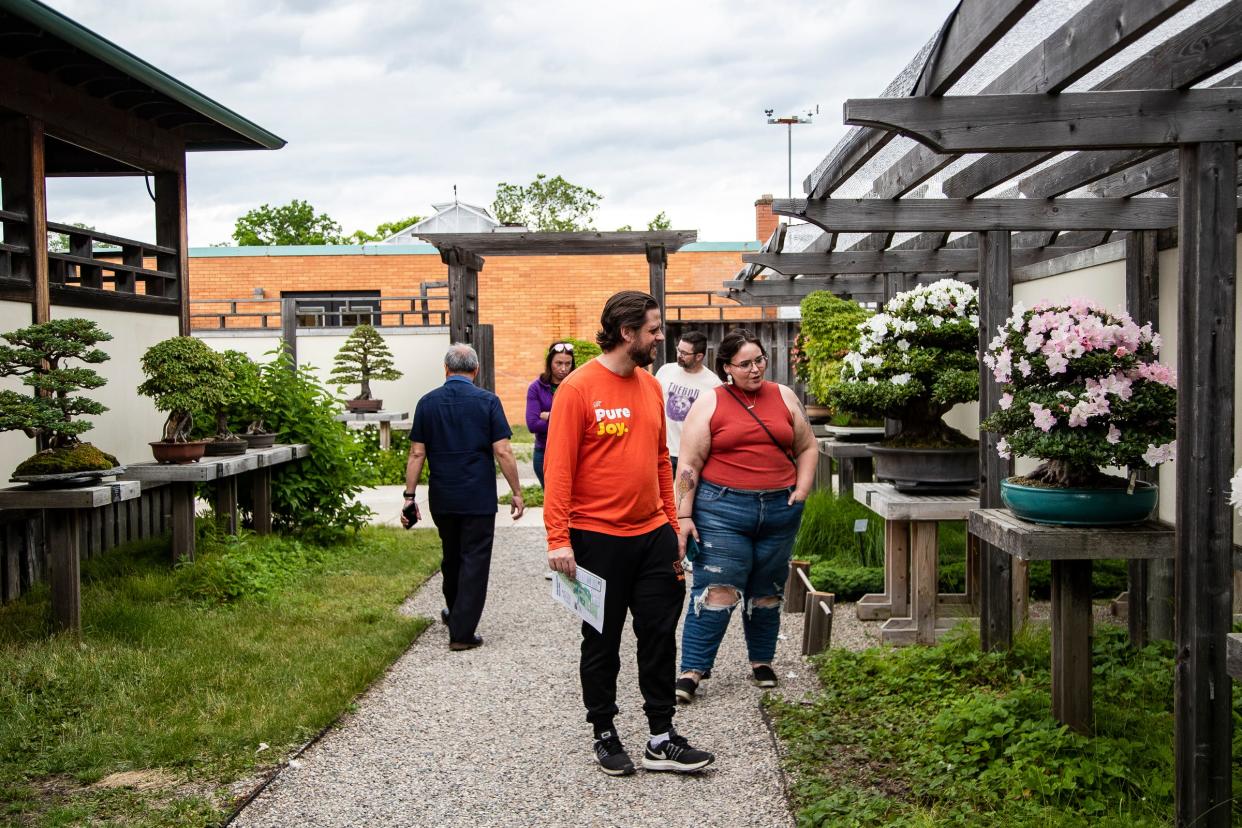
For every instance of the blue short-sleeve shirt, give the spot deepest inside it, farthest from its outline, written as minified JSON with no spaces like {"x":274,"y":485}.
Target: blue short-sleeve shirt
{"x":458,"y":422}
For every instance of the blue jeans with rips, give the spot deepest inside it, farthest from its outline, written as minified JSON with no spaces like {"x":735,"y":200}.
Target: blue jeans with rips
{"x":746,"y":538}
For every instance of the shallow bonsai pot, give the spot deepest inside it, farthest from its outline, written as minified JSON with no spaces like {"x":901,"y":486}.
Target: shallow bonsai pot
{"x":364,"y":406}
{"x":258,"y":441}
{"x":855,"y":434}
{"x":1080,"y":507}
{"x":65,"y":479}
{"x":189,"y":452}
{"x":223,"y":448}
{"x":934,"y":470}
{"x":817,"y":413}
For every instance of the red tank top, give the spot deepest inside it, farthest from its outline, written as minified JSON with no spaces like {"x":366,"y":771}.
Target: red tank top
{"x":742,"y":455}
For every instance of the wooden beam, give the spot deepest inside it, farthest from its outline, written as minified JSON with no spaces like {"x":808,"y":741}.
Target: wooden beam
{"x":973,"y":28}
{"x":891,"y":261}
{"x":1070,"y":174}
{"x":25,"y":191}
{"x":1203,"y":725}
{"x":171,"y":233}
{"x":945,"y":214}
{"x":995,"y":305}
{"x":1150,"y":118}
{"x":579,"y":243}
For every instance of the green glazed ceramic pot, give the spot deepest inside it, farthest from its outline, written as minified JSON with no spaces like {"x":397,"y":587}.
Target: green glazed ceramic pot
{"x":1080,"y":507}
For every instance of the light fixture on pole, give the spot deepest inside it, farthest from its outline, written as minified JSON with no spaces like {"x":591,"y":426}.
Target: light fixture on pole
{"x":789,"y":121}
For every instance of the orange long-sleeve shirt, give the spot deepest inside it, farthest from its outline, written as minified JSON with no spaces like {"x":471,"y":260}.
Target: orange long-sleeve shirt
{"x":606,"y":466}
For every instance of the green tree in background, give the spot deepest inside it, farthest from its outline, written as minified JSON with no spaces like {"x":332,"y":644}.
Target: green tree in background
{"x":382,"y":231}
{"x":292,"y":223}
{"x":660,"y":222}
{"x":547,"y":205}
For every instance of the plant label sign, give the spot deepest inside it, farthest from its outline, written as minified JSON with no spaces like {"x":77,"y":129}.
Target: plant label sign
{"x":860,"y":525}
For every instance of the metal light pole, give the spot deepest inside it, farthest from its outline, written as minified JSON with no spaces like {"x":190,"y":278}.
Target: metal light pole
{"x":789,"y":121}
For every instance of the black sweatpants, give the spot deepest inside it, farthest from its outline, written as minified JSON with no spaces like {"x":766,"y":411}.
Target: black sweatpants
{"x":643,"y":576}
{"x":467,"y":544}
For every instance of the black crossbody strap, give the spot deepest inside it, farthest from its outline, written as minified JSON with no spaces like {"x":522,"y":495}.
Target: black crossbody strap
{"x":775,"y":442}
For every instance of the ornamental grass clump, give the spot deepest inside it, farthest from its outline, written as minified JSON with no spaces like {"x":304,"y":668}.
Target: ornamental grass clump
{"x":914,"y":361}
{"x":1082,"y":390}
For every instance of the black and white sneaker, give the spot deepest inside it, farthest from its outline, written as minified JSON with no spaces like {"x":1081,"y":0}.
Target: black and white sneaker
{"x":676,"y":755}
{"x":613,"y":760}
{"x":763,"y":676}
{"x":685,"y":689}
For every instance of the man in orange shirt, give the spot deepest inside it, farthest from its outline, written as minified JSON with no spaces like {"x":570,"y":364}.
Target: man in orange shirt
{"x":608,"y":505}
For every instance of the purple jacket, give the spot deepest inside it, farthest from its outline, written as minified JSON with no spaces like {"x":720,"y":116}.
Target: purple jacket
{"x":538,"y":398}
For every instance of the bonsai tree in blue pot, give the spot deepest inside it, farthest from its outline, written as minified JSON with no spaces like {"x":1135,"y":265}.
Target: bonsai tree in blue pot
{"x":1083,"y":390}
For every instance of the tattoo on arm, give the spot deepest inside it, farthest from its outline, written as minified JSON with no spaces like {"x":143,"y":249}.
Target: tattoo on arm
{"x":686,"y":484}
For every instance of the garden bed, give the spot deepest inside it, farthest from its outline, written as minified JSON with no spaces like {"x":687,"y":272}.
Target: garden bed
{"x":194,"y":682}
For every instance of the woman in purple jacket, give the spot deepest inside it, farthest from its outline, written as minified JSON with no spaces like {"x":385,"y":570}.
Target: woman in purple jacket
{"x":557,"y":365}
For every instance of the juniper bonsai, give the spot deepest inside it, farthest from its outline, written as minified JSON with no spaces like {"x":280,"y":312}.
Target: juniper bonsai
{"x":364,"y":357}
{"x":183,"y":376}
{"x":38,"y":354}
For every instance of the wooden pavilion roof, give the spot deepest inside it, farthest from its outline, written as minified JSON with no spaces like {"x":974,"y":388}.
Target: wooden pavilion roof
{"x":582,"y":243}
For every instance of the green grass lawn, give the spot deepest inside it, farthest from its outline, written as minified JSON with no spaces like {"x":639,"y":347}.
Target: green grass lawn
{"x":182,"y":675}
{"x":521,"y":434}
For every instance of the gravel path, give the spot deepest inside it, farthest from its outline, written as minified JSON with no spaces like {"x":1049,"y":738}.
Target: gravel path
{"x":497,"y":736}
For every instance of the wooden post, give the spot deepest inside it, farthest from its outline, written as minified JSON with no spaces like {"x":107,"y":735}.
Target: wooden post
{"x":923,"y":585}
{"x":63,"y":528}
{"x":289,"y":328}
{"x":261,"y":498}
{"x":657,"y":262}
{"x":795,"y":586}
{"x":25,"y":191}
{"x":463,"y":288}
{"x":817,"y":611}
{"x":995,"y":302}
{"x":1071,"y":644}
{"x":1203,"y":724}
{"x":1150,"y":583}
{"x":226,"y":505}
{"x":485,"y":347}
{"x":170,"y":231}
{"x":183,"y":521}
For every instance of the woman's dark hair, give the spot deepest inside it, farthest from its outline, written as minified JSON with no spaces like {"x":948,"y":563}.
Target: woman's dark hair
{"x":730,"y":345}
{"x":627,"y":309}
{"x":566,"y":348}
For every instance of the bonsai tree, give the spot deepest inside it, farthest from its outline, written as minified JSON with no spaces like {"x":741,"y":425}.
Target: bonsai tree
{"x":38,"y":354}
{"x":1082,"y":389}
{"x":914,"y":361}
{"x":184,"y":376}
{"x":364,"y":357}
{"x":246,"y":397}
{"x":829,"y":330}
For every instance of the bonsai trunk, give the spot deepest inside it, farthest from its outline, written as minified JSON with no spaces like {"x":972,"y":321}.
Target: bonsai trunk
{"x":256,"y":427}
{"x":222,"y":427}
{"x":922,"y":427}
{"x":177,"y":427}
{"x":366,"y":388}
{"x":1065,"y":475}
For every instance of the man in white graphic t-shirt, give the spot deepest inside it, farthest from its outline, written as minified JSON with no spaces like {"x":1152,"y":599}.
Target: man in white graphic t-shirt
{"x":682,"y":382}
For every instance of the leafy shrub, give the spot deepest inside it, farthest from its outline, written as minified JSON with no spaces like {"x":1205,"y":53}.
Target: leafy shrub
{"x":531,"y":496}
{"x":585,"y":350}
{"x":386,"y":467}
{"x":847,"y":582}
{"x":246,"y":567}
{"x":829,"y":330}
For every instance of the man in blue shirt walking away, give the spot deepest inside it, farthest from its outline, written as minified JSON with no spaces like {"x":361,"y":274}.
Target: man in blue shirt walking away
{"x":458,"y":429}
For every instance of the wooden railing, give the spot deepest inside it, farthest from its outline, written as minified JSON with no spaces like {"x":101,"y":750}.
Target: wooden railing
{"x":699,"y":304}
{"x":429,"y":308}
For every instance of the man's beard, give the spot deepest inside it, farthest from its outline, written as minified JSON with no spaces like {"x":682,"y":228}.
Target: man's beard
{"x":686,"y":364}
{"x":642,"y":357}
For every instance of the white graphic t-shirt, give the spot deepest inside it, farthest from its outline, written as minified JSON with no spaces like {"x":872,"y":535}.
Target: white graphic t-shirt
{"x":681,"y":389}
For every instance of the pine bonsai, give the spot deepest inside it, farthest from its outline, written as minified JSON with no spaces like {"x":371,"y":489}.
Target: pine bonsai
{"x":38,"y":354}
{"x":364,"y":357}
{"x":184,"y":376}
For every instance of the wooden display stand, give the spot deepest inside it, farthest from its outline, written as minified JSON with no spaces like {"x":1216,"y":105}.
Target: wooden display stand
{"x":854,"y":463}
{"x":917,"y":612}
{"x":1071,"y":551}
{"x":65,"y":508}
{"x":384,"y":418}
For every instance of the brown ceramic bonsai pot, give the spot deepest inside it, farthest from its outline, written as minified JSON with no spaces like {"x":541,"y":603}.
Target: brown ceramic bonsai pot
{"x":190,"y":452}
{"x":223,"y":448}
{"x":364,"y":406}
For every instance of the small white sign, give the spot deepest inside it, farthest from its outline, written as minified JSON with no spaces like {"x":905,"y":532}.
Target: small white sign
{"x":583,"y":596}
{"x":860,"y":525}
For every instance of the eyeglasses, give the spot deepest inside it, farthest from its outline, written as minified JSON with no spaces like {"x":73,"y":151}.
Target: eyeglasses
{"x":757,"y":362}
{"x":562,"y":348}
{"x":686,"y":354}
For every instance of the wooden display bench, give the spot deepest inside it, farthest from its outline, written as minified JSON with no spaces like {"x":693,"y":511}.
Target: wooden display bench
{"x":854,"y":464}
{"x":182,"y":480}
{"x":1071,"y":550}
{"x":916,"y":611}
{"x":63,"y":533}
{"x":385,"y":419}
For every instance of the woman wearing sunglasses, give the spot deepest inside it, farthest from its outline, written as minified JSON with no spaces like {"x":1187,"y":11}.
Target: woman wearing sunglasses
{"x":557,"y":365}
{"x":747,"y":463}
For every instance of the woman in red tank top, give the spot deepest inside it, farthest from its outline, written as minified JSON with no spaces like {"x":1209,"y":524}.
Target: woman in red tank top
{"x":747,"y":463}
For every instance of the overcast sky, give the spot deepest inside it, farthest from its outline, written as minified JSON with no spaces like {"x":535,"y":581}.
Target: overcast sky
{"x":385,"y":106}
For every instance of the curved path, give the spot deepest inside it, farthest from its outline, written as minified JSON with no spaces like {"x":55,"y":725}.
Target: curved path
{"x":497,"y":737}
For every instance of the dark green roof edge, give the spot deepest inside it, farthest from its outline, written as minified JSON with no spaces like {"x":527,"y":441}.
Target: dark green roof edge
{"x":93,"y":44}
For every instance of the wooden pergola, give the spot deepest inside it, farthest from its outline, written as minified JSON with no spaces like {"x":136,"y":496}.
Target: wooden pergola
{"x":465,"y":253}
{"x":73,"y":104}
{"x":1098,"y":143}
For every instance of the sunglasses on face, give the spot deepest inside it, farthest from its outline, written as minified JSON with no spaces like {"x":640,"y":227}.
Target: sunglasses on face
{"x":562,"y":348}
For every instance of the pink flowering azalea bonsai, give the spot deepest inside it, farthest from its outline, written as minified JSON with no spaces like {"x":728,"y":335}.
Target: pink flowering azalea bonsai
{"x":1082,"y":390}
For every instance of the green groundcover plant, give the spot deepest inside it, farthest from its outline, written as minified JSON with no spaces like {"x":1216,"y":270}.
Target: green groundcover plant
{"x":914,"y":361}
{"x":1082,"y":389}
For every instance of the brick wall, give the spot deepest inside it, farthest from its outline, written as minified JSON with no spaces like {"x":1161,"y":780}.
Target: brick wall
{"x":530,"y":300}
{"x":765,"y":219}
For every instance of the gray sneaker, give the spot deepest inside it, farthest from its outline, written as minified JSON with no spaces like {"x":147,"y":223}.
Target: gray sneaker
{"x":613,"y":760}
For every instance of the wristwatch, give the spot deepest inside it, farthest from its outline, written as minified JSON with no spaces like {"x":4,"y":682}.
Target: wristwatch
{"x":408,"y":495}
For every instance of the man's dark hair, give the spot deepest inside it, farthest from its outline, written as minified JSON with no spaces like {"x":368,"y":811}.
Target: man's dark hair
{"x":627,"y":309}
{"x":696,"y":340}
{"x":565,"y":348}
{"x":731,"y":344}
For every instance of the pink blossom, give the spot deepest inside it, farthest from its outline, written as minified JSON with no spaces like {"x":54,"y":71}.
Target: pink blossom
{"x":1006,"y":400}
{"x":1002,"y":449}
{"x":1033,"y":342}
{"x":1004,"y":366}
{"x":1158,"y":372}
{"x":1057,"y":364}
{"x":1155,"y":455}
{"x":1114,"y":435}
{"x":1025,"y":367}
{"x":1044,"y":419}
{"x":1121,"y":351}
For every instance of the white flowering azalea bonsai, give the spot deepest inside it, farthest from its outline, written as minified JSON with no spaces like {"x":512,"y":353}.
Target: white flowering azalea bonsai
{"x":1082,"y":391}
{"x":914,"y":361}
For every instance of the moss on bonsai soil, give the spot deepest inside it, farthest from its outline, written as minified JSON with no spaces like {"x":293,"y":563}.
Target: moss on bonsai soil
{"x":1099,"y":481}
{"x":77,"y":458}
